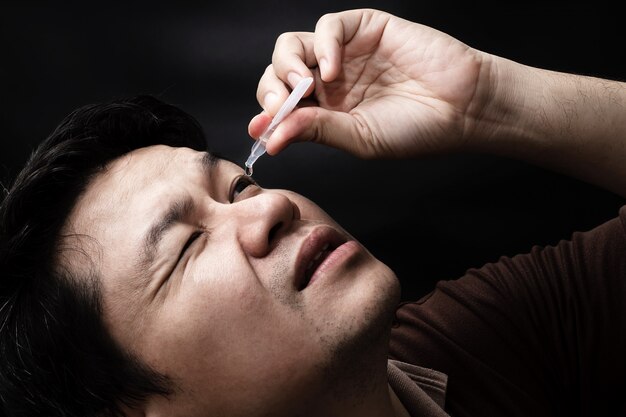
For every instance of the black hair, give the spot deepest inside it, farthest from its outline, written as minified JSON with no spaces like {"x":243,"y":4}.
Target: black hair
{"x":56,"y":357}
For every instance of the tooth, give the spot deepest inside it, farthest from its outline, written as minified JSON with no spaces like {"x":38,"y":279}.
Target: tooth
{"x":321,"y":252}
{"x":317,"y":256}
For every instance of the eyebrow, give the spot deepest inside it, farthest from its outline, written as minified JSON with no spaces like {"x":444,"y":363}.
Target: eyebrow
{"x":175,"y":213}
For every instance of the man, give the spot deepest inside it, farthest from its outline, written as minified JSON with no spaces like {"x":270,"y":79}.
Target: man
{"x":142,"y":276}
{"x":172,"y":272}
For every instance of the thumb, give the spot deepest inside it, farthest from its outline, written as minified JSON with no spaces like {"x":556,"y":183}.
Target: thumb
{"x":336,"y":129}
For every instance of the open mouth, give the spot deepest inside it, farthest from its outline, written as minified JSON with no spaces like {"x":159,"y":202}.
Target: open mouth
{"x":315,"y":250}
{"x":314,"y":264}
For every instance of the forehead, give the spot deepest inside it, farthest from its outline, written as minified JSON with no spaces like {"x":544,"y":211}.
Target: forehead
{"x":123,"y":198}
{"x":142,"y":167}
{"x":127,"y":178}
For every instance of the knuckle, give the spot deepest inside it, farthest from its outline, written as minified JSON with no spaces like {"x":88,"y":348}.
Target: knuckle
{"x":319,"y":129}
{"x":326,"y":18}
{"x":284,"y":38}
{"x":269,"y":69}
{"x":316,"y":131}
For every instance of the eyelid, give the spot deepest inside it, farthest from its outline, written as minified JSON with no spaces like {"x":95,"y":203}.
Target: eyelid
{"x":192,"y":238}
{"x":246,"y":179}
{"x":188,"y":244}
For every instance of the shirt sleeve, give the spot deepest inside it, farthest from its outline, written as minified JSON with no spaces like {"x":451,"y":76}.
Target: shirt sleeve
{"x":538,"y":334}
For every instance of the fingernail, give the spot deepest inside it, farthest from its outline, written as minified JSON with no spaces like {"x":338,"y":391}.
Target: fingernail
{"x":269,"y":99}
{"x":293,"y":79}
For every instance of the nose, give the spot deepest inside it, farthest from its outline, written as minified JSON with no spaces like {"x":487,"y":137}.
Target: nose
{"x":261,"y":218}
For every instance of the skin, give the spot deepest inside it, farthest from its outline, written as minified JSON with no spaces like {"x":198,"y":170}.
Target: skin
{"x":386,"y":87}
{"x":226,"y":322}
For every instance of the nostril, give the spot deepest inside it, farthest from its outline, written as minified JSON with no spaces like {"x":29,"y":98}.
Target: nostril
{"x":273,"y":231}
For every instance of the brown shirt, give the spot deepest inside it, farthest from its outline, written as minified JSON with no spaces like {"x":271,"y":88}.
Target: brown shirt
{"x":422,"y":391}
{"x":539,"y":334}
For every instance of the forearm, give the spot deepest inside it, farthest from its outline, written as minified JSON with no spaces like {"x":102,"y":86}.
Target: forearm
{"x":568,"y":123}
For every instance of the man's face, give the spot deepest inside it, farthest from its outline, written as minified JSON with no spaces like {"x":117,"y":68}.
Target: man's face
{"x":251,"y":300}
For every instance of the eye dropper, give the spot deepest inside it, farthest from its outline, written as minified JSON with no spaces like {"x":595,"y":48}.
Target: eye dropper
{"x":258,"y":148}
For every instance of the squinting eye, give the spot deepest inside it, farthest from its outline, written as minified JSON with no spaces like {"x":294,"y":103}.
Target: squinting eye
{"x":241,"y":184}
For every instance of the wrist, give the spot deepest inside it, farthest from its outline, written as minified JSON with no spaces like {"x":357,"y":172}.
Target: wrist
{"x":505,"y":100}
{"x":568,"y":123}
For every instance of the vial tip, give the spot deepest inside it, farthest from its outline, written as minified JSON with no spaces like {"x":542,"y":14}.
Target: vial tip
{"x":249,"y":171}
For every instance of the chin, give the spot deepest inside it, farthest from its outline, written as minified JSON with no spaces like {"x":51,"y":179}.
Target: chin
{"x":368,"y":311}
{"x":356,"y":350}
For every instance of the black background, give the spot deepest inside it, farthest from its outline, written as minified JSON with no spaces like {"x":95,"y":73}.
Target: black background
{"x":429,"y":219}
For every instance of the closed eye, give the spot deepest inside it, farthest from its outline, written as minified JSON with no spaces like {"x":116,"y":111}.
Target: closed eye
{"x":195,"y":235}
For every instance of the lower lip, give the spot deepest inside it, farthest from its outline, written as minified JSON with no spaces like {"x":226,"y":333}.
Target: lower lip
{"x":336,"y":258}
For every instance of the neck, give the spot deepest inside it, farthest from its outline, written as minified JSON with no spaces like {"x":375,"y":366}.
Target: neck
{"x":381,"y":404}
{"x":367,"y":395}
{"x":356,"y":381}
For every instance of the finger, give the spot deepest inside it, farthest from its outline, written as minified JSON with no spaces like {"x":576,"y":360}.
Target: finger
{"x":271,"y":91}
{"x":315,"y":124}
{"x":332,"y":32}
{"x":292,"y":57}
{"x":258,"y":124}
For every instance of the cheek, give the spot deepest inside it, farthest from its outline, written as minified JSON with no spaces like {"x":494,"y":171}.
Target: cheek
{"x":224,"y":300}
{"x":218,"y":293}
{"x":204,"y":311}
{"x":224,"y":326}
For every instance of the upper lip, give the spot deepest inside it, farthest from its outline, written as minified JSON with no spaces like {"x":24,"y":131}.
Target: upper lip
{"x":320,"y":238}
